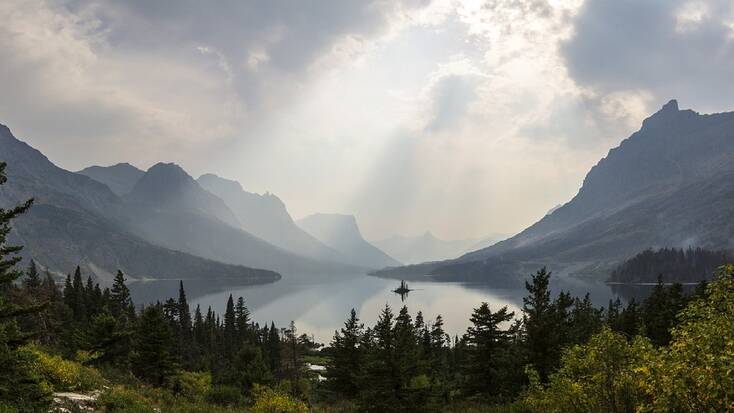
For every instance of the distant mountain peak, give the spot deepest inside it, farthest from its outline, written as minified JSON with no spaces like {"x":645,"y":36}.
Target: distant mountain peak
{"x":168,"y":167}
{"x":121,"y":178}
{"x":666,"y":116}
{"x":428,"y":235}
{"x":671,"y":106}
{"x":341,"y":232}
{"x":161,"y":181}
{"x":224,"y":183}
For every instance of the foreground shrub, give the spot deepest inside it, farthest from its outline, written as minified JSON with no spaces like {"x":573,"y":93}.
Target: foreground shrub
{"x":193,"y":385}
{"x":270,"y":401}
{"x":64,"y":375}
{"x":123,"y":400}
{"x":696,"y":372}
{"x":599,"y":376}
{"x":224,"y":395}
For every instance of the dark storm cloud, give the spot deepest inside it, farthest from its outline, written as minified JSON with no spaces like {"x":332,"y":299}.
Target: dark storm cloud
{"x":671,"y":48}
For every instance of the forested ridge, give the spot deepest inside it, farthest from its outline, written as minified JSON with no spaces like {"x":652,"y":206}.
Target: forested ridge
{"x":671,"y":352}
{"x":689,"y":265}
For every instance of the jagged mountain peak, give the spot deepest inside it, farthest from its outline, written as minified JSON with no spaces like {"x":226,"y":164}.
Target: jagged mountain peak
{"x":266,"y":216}
{"x":121,"y":178}
{"x":169,"y":186}
{"x":669,"y":116}
{"x":341,"y":232}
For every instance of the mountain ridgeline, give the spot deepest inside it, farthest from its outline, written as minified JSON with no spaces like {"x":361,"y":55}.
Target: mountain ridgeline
{"x":266,"y":217}
{"x":670,"y":184}
{"x":76,"y":220}
{"x":426,"y":247}
{"x":341,"y":233}
{"x":161,"y":223}
{"x":120,"y":178}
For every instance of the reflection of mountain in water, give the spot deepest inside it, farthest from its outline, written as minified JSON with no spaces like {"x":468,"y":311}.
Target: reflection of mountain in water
{"x":320,"y":306}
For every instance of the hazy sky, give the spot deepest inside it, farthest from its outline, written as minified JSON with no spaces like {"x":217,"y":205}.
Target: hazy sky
{"x":460,"y":117}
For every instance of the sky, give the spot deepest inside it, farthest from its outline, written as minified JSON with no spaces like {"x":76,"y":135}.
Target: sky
{"x":464,"y":118}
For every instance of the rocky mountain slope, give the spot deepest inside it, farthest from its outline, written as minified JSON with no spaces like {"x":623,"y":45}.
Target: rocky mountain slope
{"x":670,"y":184}
{"x":78,"y":221}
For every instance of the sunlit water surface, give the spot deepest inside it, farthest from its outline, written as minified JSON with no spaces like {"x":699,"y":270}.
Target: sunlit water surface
{"x":320,"y":305}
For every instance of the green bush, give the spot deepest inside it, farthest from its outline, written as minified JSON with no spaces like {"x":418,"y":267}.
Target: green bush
{"x":123,"y":400}
{"x":224,"y":395}
{"x":270,"y":401}
{"x":193,"y":386}
{"x":64,"y":375}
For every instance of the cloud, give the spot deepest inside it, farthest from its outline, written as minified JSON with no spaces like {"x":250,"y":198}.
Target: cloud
{"x":667,"y":48}
{"x":104,"y":81}
{"x":460,"y":117}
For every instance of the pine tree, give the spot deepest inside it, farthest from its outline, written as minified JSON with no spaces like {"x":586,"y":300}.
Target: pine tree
{"x":439,"y":362}
{"x":379,"y":385}
{"x":69,"y":298}
{"x":242,"y":319}
{"x":273,"y":347}
{"x":32,"y":281}
{"x":51,"y":291}
{"x":184,"y":313}
{"x":198,"y":327}
{"x":77,"y":306}
{"x":186,"y":345}
{"x":405,"y":345}
{"x":586,"y":320}
{"x":20,"y":387}
{"x":489,"y":357}
{"x":346,"y":358}
{"x":660,"y":310}
{"x":230,"y":327}
{"x":153,"y":360}
{"x":122,"y":303}
{"x":540,"y":323}
{"x":107,"y":338}
{"x":292,"y":356}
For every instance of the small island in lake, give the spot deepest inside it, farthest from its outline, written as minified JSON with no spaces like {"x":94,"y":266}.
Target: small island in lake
{"x":403,"y":290}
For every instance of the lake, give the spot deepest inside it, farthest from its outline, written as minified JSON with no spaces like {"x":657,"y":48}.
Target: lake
{"x":319,"y":305}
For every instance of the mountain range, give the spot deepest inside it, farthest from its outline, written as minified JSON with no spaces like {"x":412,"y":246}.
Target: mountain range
{"x":76,"y":220}
{"x":426,"y":247}
{"x":266,"y":217}
{"x":670,"y":184}
{"x":341,"y":233}
{"x":226,"y":223}
{"x":160,"y":223}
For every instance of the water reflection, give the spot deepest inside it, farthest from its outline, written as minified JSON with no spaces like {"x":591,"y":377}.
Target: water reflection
{"x":320,"y":306}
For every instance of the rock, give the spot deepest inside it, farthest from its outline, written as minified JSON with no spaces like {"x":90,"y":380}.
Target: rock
{"x":67,"y":402}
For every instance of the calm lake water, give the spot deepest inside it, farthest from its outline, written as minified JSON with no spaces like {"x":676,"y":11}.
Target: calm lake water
{"x":320,"y":305}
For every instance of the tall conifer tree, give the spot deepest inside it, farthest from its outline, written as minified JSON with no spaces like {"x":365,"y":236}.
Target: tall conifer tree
{"x":20,"y":387}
